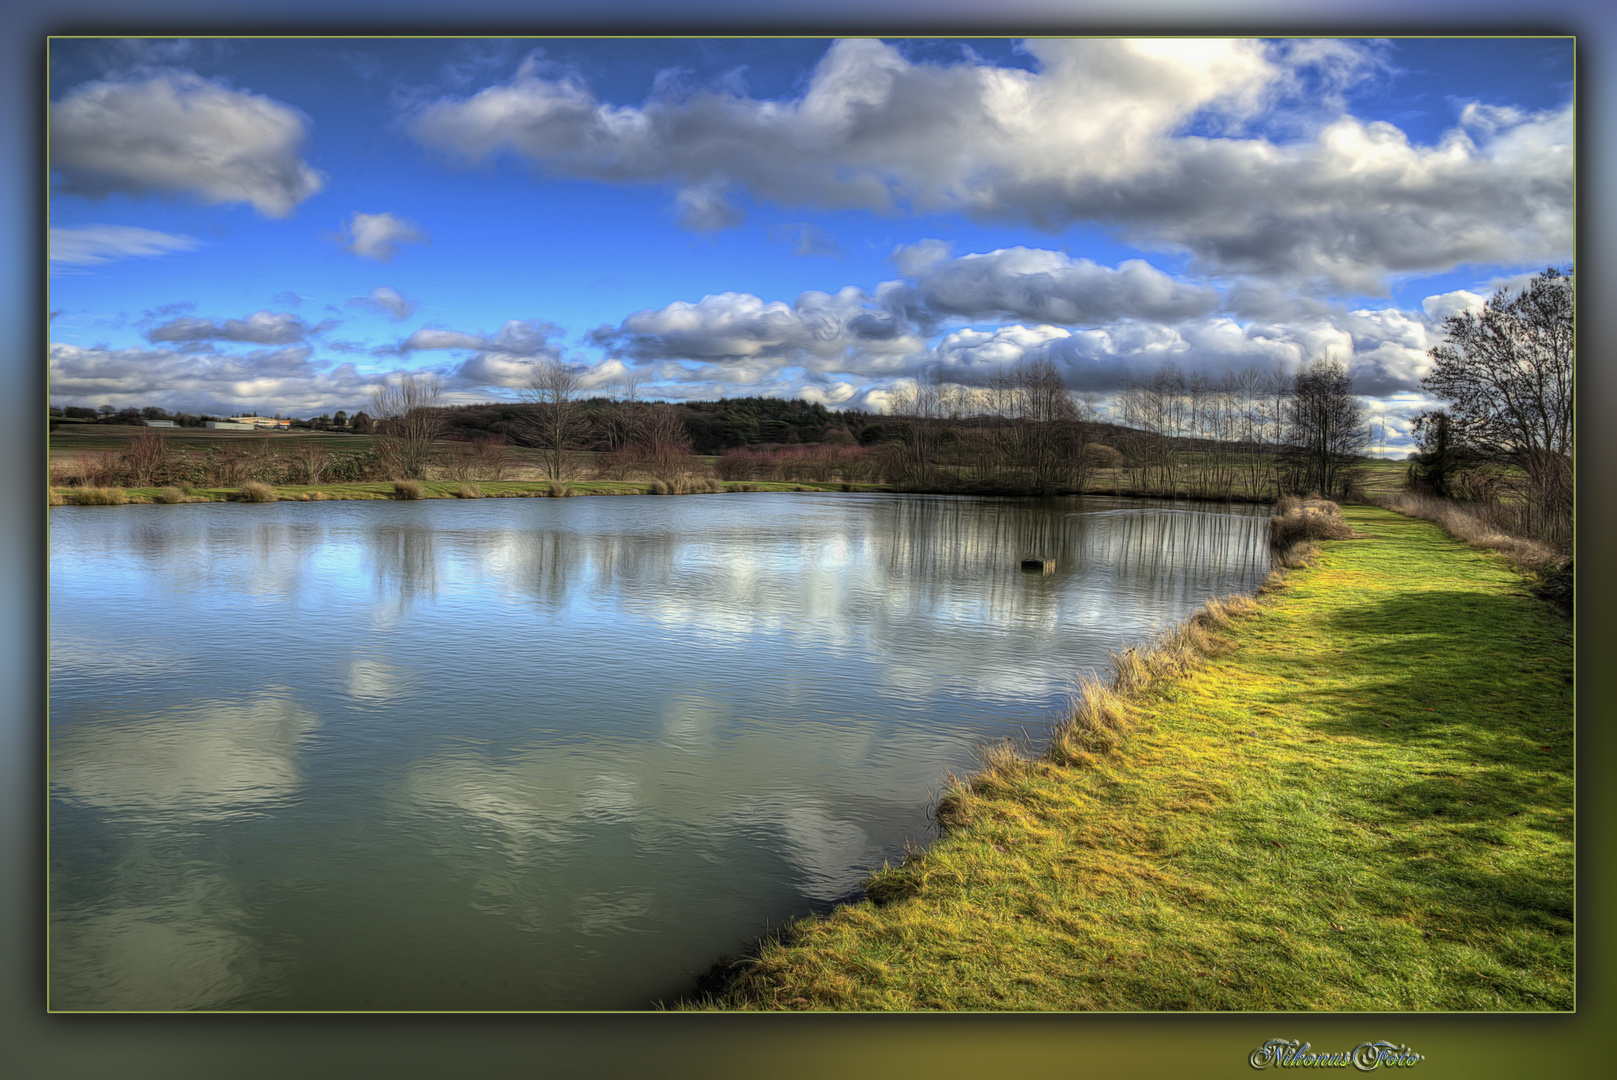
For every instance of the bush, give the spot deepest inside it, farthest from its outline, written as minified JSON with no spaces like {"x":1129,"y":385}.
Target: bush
{"x":57,"y":499}
{"x":1311,"y":518}
{"x":659,"y":487}
{"x":1554,"y":585}
{"x":253,"y":491}
{"x":169,"y":495}
{"x":355,"y":468}
{"x":407,"y":489}
{"x":97,"y":496}
{"x":467,"y":491}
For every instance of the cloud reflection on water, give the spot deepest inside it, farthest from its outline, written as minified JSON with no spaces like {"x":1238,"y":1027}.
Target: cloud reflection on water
{"x":207,"y":760}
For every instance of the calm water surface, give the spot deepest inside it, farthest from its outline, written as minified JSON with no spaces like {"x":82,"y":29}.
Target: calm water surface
{"x":542,"y":753}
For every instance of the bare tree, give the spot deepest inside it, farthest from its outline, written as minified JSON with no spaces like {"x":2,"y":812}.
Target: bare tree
{"x":619,"y":423}
{"x":408,"y":422}
{"x":556,"y":423}
{"x":145,"y":458}
{"x":1327,"y":429}
{"x":310,"y":459}
{"x":1507,"y":373}
{"x":664,"y":446}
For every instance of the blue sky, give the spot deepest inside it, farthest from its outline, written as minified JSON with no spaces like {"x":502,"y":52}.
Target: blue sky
{"x":286,"y":224}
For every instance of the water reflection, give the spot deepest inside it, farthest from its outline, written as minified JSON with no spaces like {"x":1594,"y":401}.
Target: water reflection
{"x":541,"y":753}
{"x":154,"y":942}
{"x":207,"y":760}
{"x":142,"y":916}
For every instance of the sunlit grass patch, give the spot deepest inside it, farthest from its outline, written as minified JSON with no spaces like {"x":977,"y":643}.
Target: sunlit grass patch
{"x":1354,"y":794}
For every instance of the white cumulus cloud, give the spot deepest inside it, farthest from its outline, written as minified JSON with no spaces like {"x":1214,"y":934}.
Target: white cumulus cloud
{"x":378,"y":236}
{"x":175,"y":132}
{"x":1152,"y":138}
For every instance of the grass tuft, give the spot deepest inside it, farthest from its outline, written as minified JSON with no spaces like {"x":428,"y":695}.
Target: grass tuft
{"x":407,"y":489}
{"x":97,"y":496}
{"x":169,"y":495}
{"x":467,"y":491}
{"x":253,"y":491}
{"x":1310,"y":518}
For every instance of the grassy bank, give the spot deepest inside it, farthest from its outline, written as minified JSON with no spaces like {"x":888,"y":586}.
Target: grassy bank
{"x":1363,"y":800}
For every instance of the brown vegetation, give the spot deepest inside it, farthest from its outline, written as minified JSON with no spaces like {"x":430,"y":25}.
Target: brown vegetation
{"x":1302,"y":519}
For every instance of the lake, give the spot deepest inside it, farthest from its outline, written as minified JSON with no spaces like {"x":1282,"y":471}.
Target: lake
{"x":539,"y":754}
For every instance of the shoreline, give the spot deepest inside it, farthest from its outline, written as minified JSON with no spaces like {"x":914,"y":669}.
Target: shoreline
{"x":541,"y":489}
{"x":1148,"y":860}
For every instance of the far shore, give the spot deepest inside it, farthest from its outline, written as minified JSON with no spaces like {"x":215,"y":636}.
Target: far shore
{"x":532,"y":489}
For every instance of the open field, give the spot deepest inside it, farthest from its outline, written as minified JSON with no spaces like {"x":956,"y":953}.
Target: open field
{"x":68,"y":441}
{"x":1363,"y":800}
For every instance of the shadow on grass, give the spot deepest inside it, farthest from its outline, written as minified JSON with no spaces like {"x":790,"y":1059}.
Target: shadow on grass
{"x":1479,"y":687}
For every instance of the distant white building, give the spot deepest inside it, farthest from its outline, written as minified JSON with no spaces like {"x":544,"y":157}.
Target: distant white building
{"x":228,"y":425}
{"x":161,"y":423}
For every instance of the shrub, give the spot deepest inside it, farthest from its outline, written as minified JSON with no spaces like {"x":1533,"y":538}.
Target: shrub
{"x":145,"y":457}
{"x":1311,"y":518}
{"x":481,"y":458}
{"x":1554,"y":585}
{"x":557,"y":490}
{"x":407,"y":489}
{"x":57,"y":499}
{"x":355,"y":468}
{"x":97,"y":496}
{"x":253,"y":491}
{"x":659,"y":487}
{"x":69,"y":473}
{"x":467,"y":491}
{"x":169,"y":495}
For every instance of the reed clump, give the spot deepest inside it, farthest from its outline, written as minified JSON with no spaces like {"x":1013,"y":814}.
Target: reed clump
{"x":97,"y":496}
{"x":1307,"y":518}
{"x":169,"y":495}
{"x":467,"y":491}
{"x":407,"y":489}
{"x":253,"y":491}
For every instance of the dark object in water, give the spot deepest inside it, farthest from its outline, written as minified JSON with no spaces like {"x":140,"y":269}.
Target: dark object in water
{"x":1044,"y":566}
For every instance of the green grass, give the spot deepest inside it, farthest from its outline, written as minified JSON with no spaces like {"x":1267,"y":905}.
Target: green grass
{"x":1363,"y":802}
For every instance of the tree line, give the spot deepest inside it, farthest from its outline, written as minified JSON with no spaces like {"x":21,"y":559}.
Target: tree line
{"x":1505,"y":440}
